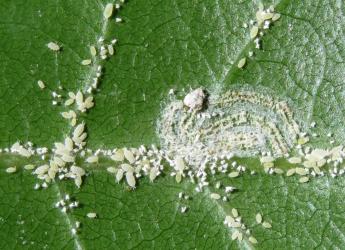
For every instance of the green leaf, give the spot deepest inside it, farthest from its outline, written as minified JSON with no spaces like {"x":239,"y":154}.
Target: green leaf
{"x":163,"y":45}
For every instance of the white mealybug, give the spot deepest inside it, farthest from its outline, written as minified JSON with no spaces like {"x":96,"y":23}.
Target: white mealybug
{"x":11,"y":170}
{"x":229,"y":189}
{"x":53,"y":46}
{"x":195,"y":99}
{"x":241,"y":63}
{"x":86,"y":62}
{"x":183,"y":209}
{"x":118,"y":19}
{"x":108,"y":10}
{"x":91,"y":215}
{"x":41,"y":84}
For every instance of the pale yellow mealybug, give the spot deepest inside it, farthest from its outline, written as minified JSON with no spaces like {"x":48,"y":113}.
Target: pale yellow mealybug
{"x":301,"y":171}
{"x":267,"y":16}
{"x":241,"y":63}
{"x":11,"y":170}
{"x":278,"y":171}
{"x":77,"y":170}
{"x":118,"y":155}
{"x":215,"y":196}
{"x":178,"y":177}
{"x":93,"y":50}
{"x":233,"y":174}
{"x":234,"y":212}
{"x":229,"y":219}
{"x":111,"y":49}
{"x":127,"y":168}
{"x":291,"y":171}
{"x":130,"y":179}
{"x":234,"y":235}
{"x":86,"y":62}
{"x":29,"y":167}
{"x":108,"y":10}
{"x":266,"y":224}
{"x":275,"y":17}
{"x":240,"y":237}
{"x":79,"y":130}
{"x":252,"y":240}
{"x":295,"y":160}
{"x":258,"y":218}
{"x":119,"y":175}
{"x":302,"y":140}
{"x":92,"y":159}
{"x":69,"y":102}
{"x":304,"y":179}
{"x":41,"y":84}
{"x":129,"y":155}
{"x":235,"y":224}
{"x":78,"y":181}
{"x":91,"y":215}
{"x":111,"y":170}
{"x":53,"y":46}
{"x":254,"y":32}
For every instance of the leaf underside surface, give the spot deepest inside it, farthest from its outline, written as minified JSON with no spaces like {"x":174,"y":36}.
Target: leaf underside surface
{"x":162,"y":45}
